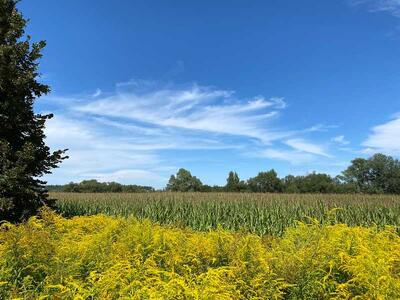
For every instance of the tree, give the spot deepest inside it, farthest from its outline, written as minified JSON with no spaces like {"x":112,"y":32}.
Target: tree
{"x":317,"y":183}
{"x":94,"y":186}
{"x":291,"y":184}
{"x":234,"y":184}
{"x":265,"y":182}
{"x":184,"y":182}
{"x":377,"y":174}
{"x":24,"y":157}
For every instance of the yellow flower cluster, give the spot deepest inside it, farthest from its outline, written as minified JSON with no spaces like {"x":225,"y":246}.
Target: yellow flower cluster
{"x":101,"y":257}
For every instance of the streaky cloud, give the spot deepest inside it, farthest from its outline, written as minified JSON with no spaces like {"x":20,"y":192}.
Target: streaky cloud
{"x":384,"y":138}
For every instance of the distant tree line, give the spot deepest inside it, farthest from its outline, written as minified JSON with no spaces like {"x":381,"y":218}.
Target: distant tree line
{"x":94,"y":186}
{"x":379,"y":174}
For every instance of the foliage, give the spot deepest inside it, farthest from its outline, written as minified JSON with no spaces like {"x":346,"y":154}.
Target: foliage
{"x":265,"y":182}
{"x":264,"y":214}
{"x":24,"y":157}
{"x":377,"y":174}
{"x":101,"y":257}
{"x":93,"y":186}
{"x":184,"y":182}
{"x":234,"y":184}
{"x":311,"y":183}
{"x":215,"y":188}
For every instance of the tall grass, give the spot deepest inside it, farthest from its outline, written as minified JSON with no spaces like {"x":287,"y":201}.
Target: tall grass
{"x":264,"y":214}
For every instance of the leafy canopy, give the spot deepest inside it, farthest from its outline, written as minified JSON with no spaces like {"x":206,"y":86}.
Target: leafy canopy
{"x":184,"y":182}
{"x":377,"y":174}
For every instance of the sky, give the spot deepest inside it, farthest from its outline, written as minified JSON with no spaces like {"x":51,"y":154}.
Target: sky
{"x":140,"y":89}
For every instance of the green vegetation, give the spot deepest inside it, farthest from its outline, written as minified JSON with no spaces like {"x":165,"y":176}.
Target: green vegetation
{"x":378,"y":174}
{"x":101,"y":257}
{"x":24,"y":157}
{"x":265,"y":214}
{"x":93,"y":186}
{"x":184,"y":182}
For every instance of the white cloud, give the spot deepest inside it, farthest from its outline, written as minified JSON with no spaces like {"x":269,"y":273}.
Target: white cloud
{"x":196,"y":108}
{"x":120,"y":136}
{"x":340,"y":140}
{"x":97,"y":93}
{"x":142,"y":177}
{"x":128,"y":135}
{"x":308,"y":147}
{"x":320,"y":128}
{"x":384,"y":138}
{"x":64,"y":132}
{"x":91,"y":151}
{"x":389,"y":6}
{"x":293,"y":157}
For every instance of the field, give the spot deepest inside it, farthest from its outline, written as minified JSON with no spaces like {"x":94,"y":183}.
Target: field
{"x":205,"y":246}
{"x":263,"y":214}
{"x":102,"y":257}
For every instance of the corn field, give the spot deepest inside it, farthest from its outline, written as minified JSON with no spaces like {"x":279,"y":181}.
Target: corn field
{"x":263,"y":214}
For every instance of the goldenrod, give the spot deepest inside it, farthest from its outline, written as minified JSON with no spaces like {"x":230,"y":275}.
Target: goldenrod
{"x":102,"y":257}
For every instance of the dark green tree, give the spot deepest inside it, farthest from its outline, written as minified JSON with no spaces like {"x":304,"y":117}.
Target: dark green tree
{"x":377,"y":174}
{"x":291,"y":184}
{"x":232,"y":182}
{"x":265,"y":182}
{"x":94,"y":186}
{"x":317,"y":183}
{"x":184,"y":182}
{"x":24,"y":157}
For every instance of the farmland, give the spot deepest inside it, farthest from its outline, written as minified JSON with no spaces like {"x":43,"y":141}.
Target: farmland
{"x":102,"y":257}
{"x":262,"y":214}
{"x":171,"y":245}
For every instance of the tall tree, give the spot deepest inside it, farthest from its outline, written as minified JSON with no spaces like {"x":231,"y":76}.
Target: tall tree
{"x":265,"y":182}
{"x":232,"y":182}
{"x":377,"y":174}
{"x":24,"y":157}
{"x":184,"y":182}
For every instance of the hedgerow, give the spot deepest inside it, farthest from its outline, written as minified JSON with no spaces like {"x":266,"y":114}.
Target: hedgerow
{"x":103,"y":257}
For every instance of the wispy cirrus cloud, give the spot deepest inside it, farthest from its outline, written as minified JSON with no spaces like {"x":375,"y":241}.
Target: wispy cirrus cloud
{"x":129,"y":134}
{"x":129,"y":175}
{"x":340,"y":139}
{"x":390,"y":6}
{"x":384,"y":138}
{"x":196,"y":108}
{"x":294,"y":157}
{"x":302,"y":145}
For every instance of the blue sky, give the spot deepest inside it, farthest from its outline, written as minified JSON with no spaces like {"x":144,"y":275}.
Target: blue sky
{"x":142,"y":88}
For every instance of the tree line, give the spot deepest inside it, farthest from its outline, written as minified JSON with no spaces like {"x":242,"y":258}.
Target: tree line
{"x":94,"y":186}
{"x":379,"y":174}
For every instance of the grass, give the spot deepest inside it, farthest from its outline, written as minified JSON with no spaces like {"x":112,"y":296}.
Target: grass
{"x":263,"y":214}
